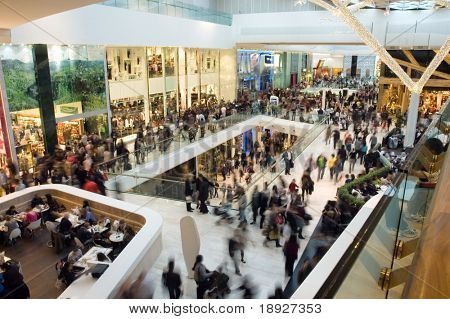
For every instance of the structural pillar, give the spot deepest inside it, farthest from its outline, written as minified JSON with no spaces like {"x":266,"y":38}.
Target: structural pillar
{"x":45,"y":96}
{"x":324,"y":94}
{"x":411,"y":123}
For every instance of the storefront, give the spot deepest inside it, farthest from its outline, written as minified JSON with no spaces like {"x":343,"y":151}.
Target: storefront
{"x":327,"y":65}
{"x":21,"y":92}
{"x":95,"y":89}
{"x":394,"y":96}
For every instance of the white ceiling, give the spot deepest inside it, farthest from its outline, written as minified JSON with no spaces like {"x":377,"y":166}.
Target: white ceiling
{"x":17,"y":12}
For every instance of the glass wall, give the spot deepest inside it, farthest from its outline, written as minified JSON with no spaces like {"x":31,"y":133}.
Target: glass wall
{"x":127,"y":89}
{"x":21,"y":93}
{"x":170,"y":80}
{"x":146,"y":85}
{"x":77,"y":74}
{"x":209,"y":76}
{"x":263,"y":70}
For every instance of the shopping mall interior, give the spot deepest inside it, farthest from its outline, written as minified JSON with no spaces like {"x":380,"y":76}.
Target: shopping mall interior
{"x":224,"y":149}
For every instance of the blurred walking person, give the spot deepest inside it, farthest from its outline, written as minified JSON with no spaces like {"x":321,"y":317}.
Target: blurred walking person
{"x":290,"y":251}
{"x":172,"y":281}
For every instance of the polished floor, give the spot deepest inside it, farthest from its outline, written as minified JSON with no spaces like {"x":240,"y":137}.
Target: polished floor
{"x":264,"y":266}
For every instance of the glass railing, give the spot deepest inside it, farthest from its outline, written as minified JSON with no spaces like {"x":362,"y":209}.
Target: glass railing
{"x":173,"y":188}
{"x":377,"y":262}
{"x":173,"y":8}
{"x":129,"y":164}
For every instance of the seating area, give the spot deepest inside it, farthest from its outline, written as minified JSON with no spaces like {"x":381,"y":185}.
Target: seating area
{"x":58,"y":238}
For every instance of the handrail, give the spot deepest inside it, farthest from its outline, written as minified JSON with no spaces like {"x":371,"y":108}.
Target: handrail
{"x":332,"y":283}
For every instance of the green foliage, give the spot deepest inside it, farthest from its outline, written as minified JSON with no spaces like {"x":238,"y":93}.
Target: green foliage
{"x":83,"y":81}
{"x":343,"y":191}
{"x":20,"y":84}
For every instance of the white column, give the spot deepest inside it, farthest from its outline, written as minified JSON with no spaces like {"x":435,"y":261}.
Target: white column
{"x":324,"y":93}
{"x":411,"y":123}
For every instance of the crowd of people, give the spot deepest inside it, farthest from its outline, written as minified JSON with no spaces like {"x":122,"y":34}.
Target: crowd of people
{"x":280,"y":211}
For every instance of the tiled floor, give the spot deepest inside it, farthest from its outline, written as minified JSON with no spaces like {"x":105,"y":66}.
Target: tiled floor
{"x":265,"y":266}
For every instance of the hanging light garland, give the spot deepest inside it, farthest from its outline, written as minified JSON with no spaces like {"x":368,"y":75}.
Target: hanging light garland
{"x":434,"y":64}
{"x":360,"y":5}
{"x":442,"y":3}
{"x":345,"y":12}
{"x":373,"y":43}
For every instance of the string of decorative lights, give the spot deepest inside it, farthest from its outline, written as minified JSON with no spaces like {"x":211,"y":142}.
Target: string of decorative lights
{"x":443,"y":3}
{"x":341,"y":9}
{"x":359,"y":5}
{"x":437,"y":60}
{"x":373,"y":43}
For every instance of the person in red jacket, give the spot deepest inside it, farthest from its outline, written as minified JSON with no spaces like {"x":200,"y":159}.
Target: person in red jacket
{"x":91,"y":186}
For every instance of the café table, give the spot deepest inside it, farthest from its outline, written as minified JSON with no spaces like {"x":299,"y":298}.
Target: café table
{"x":90,"y":257}
{"x":116,"y":237}
{"x":73,"y":219}
{"x":97,"y":229}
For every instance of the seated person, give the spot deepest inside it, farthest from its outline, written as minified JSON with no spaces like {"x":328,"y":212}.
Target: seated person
{"x":10,"y":224}
{"x":3,"y":231}
{"x":36,"y":201}
{"x":388,"y":179}
{"x":128,"y":234}
{"x":11,"y":211}
{"x":74,"y":255}
{"x":86,"y":214}
{"x":13,"y":283}
{"x":83,"y":233}
{"x":100,"y":241}
{"x":29,"y":217}
{"x":104,"y":222}
{"x":67,"y":273}
{"x":118,"y":225}
{"x":65,"y":226}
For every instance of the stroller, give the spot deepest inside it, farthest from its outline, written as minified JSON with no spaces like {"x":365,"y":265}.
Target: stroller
{"x":222,"y":212}
{"x":219,"y":286}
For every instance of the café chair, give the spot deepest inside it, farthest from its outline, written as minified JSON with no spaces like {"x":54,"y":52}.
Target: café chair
{"x":34,"y":226}
{"x":16,"y":233}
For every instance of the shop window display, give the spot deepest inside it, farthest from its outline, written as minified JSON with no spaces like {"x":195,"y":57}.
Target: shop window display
{"x":432,"y":100}
{"x":69,"y":132}
{"x":21,"y":93}
{"x":170,"y":56}
{"x":128,"y":115}
{"x":127,"y":88}
{"x":155,"y":65}
{"x":209,"y":61}
{"x":193,"y":76}
{"x":125,"y":63}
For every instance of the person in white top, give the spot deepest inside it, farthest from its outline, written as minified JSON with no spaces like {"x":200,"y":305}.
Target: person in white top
{"x":274,"y":100}
{"x":224,"y":111}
